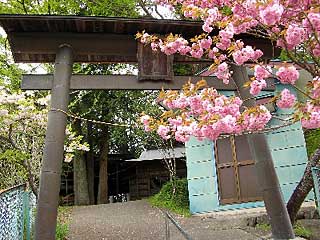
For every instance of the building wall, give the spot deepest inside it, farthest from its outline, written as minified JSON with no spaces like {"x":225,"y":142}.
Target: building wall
{"x":141,"y":184}
{"x":288,"y":151}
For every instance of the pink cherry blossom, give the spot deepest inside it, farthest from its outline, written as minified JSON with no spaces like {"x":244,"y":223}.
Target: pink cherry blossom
{"x":288,"y":75}
{"x":315,"y":91}
{"x":206,"y":43}
{"x":292,"y":24}
{"x":312,"y":117}
{"x":271,"y":14}
{"x":287,"y":99}
{"x":316,"y":50}
{"x":223,"y":72}
{"x":256,"y":86}
{"x":163,"y":131}
{"x":262,"y":72}
{"x":294,"y":36}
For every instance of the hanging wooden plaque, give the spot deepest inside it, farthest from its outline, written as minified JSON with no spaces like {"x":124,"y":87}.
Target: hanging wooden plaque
{"x":154,"y":65}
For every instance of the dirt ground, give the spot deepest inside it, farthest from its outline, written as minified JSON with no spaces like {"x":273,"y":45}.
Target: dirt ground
{"x":137,"y":220}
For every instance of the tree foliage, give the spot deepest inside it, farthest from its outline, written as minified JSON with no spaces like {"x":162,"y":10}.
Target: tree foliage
{"x":108,"y":106}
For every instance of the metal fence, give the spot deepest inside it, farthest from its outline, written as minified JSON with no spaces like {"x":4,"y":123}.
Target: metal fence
{"x":16,"y":213}
{"x":316,"y":180}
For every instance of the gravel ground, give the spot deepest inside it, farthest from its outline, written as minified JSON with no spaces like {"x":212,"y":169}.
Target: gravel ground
{"x":130,"y":220}
{"x":137,"y":220}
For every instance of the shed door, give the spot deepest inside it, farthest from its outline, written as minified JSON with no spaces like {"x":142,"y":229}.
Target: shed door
{"x":236,"y":171}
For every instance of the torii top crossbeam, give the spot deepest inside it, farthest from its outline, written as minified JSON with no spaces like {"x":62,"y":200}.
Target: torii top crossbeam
{"x":35,"y":38}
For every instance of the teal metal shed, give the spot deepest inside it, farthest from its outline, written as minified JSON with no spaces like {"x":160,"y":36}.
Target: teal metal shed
{"x":216,"y":185}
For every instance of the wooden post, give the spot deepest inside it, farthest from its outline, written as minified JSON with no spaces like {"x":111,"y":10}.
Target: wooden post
{"x":266,"y":174}
{"x":46,"y":219}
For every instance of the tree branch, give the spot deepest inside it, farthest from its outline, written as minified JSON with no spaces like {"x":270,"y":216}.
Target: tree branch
{"x":142,"y":4}
{"x":25,"y":163}
{"x":156,"y":10}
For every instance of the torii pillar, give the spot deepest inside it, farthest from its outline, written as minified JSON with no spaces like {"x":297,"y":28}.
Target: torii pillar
{"x":266,"y":174}
{"x":47,"y":208}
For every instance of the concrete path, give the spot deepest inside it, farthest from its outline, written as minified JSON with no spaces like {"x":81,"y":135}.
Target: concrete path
{"x":131,"y":220}
{"x":137,"y":220}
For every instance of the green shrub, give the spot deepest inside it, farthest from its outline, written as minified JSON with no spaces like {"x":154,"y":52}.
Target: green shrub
{"x":173,"y":196}
{"x":63,"y":222}
{"x":302,"y":231}
{"x":299,"y":230}
{"x":62,"y":231}
{"x":263,"y":226}
{"x":312,"y":140}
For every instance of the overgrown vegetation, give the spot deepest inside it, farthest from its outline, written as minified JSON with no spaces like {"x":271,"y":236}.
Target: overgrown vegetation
{"x":299,"y":230}
{"x":173,"y":196}
{"x":63,"y":222}
{"x":312,"y":140}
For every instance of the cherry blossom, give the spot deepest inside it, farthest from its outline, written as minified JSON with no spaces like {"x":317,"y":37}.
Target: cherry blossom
{"x":292,"y":25}
{"x":288,"y":75}
{"x":256,"y":86}
{"x":287,"y":99}
{"x":205,"y":114}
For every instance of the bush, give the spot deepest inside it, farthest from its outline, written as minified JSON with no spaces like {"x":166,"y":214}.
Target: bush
{"x":173,"y":196}
{"x":312,"y":140}
{"x":62,"y":231}
{"x":299,"y":230}
{"x":63,"y":222}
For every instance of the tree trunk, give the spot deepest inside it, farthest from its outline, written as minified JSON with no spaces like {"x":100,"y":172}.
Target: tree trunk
{"x":80,"y":181}
{"x":90,"y":175}
{"x":90,"y":165}
{"x":31,"y":178}
{"x":303,"y":188}
{"x":103,"y":169}
{"x":81,"y":194}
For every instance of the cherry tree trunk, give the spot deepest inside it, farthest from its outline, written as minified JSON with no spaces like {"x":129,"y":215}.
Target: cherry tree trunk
{"x":303,"y":188}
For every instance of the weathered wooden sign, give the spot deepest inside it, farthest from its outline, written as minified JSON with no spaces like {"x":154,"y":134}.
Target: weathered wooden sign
{"x":153,"y":65}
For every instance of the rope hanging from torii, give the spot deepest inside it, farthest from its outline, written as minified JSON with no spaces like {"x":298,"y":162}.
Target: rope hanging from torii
{"x":286,"y":122}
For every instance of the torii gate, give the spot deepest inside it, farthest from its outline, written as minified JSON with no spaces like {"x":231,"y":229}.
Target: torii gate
{"x":68,"y":39}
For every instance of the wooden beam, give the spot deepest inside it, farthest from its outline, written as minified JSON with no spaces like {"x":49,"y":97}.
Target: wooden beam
{"x":40,"y":47}
{"x":37,"y":47}
{"x":118,"y":82}
{"x":124,"y":82}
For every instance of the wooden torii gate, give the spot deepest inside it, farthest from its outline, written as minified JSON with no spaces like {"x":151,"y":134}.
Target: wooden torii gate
{"x":68,"y":39}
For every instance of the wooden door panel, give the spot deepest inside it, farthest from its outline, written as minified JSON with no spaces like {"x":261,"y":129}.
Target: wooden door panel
{"x":227,"y":185}
{"x":224,"y":151}
{"x":242,"y":149}
{"x":236,"y":171}
{"x":249,"y":188}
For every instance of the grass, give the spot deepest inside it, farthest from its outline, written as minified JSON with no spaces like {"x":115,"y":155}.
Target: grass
{"x":63,"y":221}
{"x":299,"y":230}
{"x":263,"y":226}
{"x":177,"y":201}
